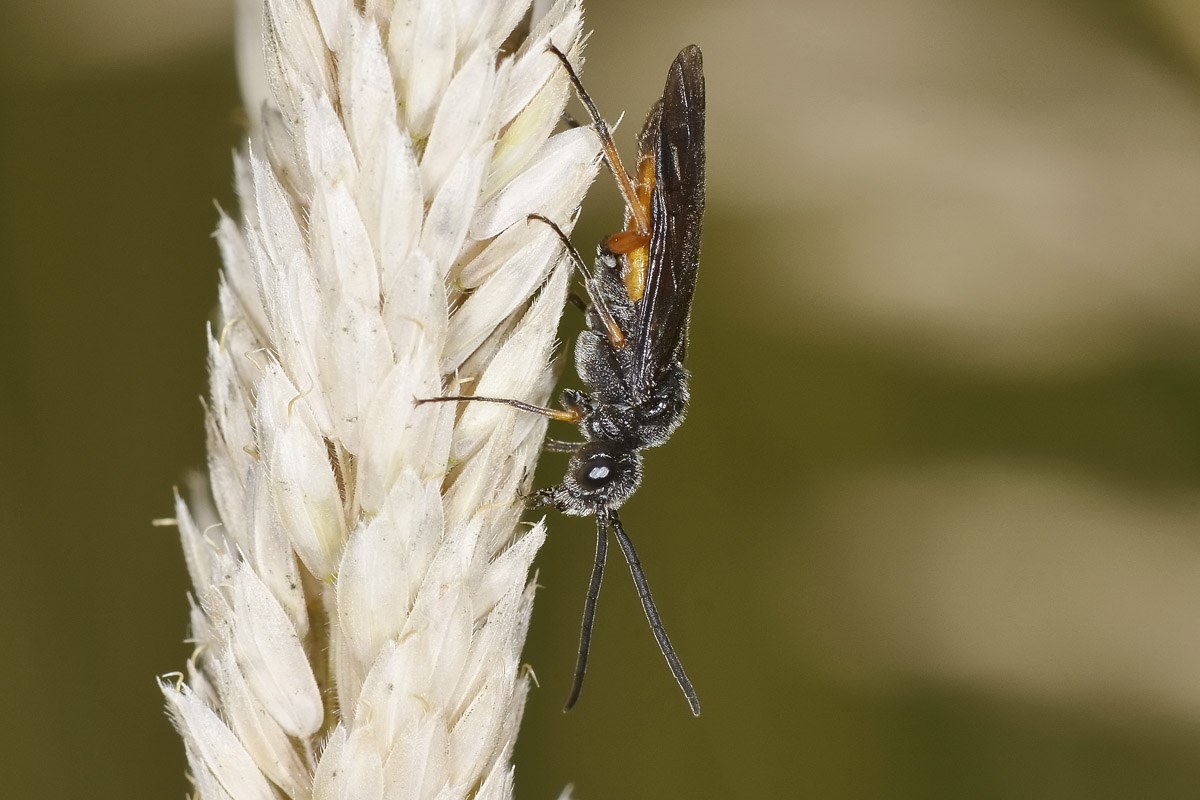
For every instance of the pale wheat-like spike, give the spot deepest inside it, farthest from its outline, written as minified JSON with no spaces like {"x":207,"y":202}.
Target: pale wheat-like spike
{"x":270,"y":655}
{"x":273,"y":558}
{"x":533,"y":65}
{"x":500,"y":252}
{"x":218,"y":759}
{"x":303,"y":481}
{"x":384,"y":562}
{"x":499,"y":782}
{"x":461,"y":122}
{"x":422,"y":771}
{"x":366,"y":91}
{"x":258,"y":730}
{"x":451,"y":210}
{"x":499,"y":580}
{"x":239,"y":296}
{"x":423,"y":48}
{"x":526,"y":132}
{"x":197,"y":553}
{"x":351,"y":767}
{"x":506,"y":290}
{"x":296,"y":58}
{"x":334,"y":17}
{"x":571,"y":152}
{"x":512,"y":373}
{"x":327,"y":151}
{"x":362,"y":579}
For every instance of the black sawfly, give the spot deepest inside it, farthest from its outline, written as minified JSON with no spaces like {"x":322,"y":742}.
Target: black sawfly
{"x":630,"y":356}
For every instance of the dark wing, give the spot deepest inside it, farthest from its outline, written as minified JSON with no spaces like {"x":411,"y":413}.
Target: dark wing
{"x":676,"y":132}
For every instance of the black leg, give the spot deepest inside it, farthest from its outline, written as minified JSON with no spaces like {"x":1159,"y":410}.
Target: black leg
{"x":615,"y":335}
{"x":589,"y":606}
{"x":643,"y":590}
{"x":570,"y":415}
{"x":578,"y":302}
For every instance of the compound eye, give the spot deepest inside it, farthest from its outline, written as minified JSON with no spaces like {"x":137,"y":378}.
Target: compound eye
{"x":596,"y":473}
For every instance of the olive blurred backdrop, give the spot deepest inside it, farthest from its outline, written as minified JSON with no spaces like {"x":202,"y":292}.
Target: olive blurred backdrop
{"x":933,"y":527}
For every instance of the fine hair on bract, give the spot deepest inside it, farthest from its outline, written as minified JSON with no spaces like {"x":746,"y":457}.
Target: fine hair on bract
{"x":361,"y":578}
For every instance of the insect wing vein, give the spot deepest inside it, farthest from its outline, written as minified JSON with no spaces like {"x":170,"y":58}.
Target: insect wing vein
{"x":677,"y":210}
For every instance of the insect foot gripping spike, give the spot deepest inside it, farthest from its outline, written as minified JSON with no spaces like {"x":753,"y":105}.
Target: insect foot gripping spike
{"x":630,"y":356}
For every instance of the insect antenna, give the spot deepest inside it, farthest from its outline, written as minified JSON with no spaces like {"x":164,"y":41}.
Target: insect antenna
{"x":660,"y":633}
{"x":589,"y":605}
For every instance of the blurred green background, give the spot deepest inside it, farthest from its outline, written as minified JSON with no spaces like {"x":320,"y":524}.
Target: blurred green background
{"x":933,"y":527}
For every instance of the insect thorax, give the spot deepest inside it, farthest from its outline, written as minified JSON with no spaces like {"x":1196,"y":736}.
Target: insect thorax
{"x":614,"y":409}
